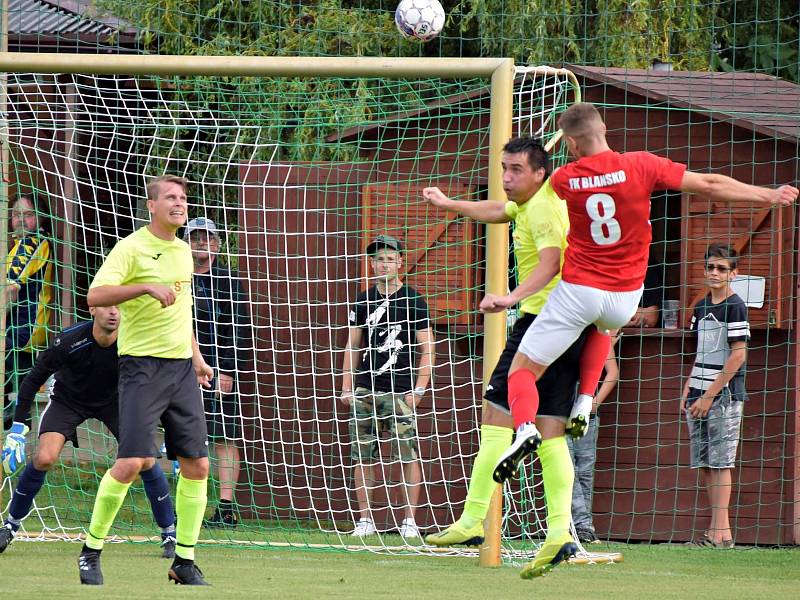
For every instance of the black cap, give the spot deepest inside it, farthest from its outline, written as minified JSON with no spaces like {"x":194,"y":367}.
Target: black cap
{"x":384,"y":241}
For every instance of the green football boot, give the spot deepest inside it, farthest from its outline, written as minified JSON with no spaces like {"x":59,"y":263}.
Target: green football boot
{"x":549,"y":555}
{"x":457,"y":535}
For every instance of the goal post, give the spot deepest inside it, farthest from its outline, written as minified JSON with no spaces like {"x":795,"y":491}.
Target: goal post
{"x":248,"y":191}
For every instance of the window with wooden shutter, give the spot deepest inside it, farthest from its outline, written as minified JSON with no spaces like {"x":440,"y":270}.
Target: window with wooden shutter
{"x":763,"y":239}
{"x":439,"y":247}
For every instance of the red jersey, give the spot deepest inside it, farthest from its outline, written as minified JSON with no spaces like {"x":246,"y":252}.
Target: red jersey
{"x":608,"y":199}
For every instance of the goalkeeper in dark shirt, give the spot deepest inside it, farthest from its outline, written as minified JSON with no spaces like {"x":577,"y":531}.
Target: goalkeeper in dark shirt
{"x":84,"y":361}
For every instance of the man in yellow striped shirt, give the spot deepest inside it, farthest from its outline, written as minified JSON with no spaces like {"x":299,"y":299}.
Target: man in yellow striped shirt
{"x":29,"y":294}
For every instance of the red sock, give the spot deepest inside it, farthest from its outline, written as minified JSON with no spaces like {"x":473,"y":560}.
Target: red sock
{"x":593,"y":359}
{"x":523,"y":397}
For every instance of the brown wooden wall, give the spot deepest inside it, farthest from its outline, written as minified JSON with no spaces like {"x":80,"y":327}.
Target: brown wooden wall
{"x":299,"y":353}
{"x":644,"y":447}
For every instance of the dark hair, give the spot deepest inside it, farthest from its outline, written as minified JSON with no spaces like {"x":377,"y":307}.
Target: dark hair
{"x":725,"y":252}
{"x":39,"y":205}
{"x":537,"y":155}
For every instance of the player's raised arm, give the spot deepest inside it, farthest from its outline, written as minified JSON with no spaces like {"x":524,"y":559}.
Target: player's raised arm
{"x":549,"y":266}
{"x":487,"y":211}
{"x":721,"y":187}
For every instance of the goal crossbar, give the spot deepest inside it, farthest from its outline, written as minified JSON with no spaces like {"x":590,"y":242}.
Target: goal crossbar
{"x":254,"y":66}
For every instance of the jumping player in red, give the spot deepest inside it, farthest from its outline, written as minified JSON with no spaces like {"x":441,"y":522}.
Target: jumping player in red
{"x":608,"y":199}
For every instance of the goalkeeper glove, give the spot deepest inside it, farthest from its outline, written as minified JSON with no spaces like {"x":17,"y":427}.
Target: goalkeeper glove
{"x":14,"y":448}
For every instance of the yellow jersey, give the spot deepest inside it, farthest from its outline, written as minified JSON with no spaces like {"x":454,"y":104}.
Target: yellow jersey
{"x":147,"y":329}
{"x":29,"y":264}
{"x":541,"y":222}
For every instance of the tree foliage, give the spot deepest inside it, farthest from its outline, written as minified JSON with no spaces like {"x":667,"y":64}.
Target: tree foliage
{"x":691,"y":34}
{"x":761,"y":35}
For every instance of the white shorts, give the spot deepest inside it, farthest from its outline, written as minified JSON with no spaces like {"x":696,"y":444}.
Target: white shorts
{"x":568,"y":311}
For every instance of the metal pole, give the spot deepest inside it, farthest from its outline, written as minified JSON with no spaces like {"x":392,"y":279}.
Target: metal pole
{"x":4,"y":172}
{"x":254,"y":66}
{"x":494,"y":325}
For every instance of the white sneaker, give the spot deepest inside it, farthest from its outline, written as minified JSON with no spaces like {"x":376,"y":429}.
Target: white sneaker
{"x":363,"y":528}
{"x":525,"y":443}
{"x":578,"y":423}
{"x":409,"y":529}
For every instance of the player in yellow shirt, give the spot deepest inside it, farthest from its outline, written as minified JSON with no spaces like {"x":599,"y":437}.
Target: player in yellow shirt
{"x":540,"y":230}
{"x":148,"y":275}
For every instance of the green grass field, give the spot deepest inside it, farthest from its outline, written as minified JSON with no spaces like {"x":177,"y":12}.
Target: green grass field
{"x":48,"y":570}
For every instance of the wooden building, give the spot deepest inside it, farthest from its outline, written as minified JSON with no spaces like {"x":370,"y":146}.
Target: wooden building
{"x":746,"y":126}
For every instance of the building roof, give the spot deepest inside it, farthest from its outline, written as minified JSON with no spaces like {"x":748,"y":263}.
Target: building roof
{"x":46,"y":20}
{"x":754,"y":101}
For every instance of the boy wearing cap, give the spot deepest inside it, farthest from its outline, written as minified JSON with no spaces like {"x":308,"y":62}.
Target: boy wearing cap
{"x":389,"y":326}
{"x":221,"y":327}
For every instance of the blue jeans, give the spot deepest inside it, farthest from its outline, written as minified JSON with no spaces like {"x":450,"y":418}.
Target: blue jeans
{"x":584,"y":454}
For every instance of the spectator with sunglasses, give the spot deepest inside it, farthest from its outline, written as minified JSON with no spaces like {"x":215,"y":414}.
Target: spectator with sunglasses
{"x":714,"y":393}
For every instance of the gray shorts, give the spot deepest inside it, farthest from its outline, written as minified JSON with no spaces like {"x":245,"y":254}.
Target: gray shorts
{"x":160,"y":389}
{"x":715,"y":438}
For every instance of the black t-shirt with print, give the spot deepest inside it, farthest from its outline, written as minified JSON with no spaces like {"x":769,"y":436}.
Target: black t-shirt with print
{"x":388,"y":343}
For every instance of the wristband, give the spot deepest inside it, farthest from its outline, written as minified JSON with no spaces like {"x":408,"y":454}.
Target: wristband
{"x":419,"y":391}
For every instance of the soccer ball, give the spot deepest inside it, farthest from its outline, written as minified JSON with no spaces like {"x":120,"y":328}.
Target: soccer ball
{"x":419,"y":19}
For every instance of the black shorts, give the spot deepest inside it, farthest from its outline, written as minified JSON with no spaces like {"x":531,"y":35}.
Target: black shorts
{"x":160,"y":389}
{"x":556,"y":387}
{"x":61,"y":416}
{"x":222,"y":414}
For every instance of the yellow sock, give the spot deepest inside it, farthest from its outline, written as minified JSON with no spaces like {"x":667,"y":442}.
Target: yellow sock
{"x":191,"y":496}
{"x":558,"y":474}
{"x":110,"y":495}
{"x":494,"y":441}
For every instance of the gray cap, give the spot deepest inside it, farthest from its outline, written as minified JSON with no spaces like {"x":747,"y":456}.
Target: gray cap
{"x":200,"y":224}
{"x":384,"y":241}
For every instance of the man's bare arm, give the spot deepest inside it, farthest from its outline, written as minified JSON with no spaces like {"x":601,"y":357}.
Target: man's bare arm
{"x":486,"y":211}
{"x":114,"y":295}
{"x":721,"y":187}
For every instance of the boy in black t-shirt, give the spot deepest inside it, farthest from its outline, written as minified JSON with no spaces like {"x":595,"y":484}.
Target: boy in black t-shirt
{"x":388,"y":324}
{"x":714,"y":393}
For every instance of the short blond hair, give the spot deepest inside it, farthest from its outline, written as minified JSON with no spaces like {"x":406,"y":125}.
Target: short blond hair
{"x":154,"y":185}
{"x":580,"y":119}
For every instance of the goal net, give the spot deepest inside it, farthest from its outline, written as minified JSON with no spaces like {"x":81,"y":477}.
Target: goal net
{"x":298,"y":175}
